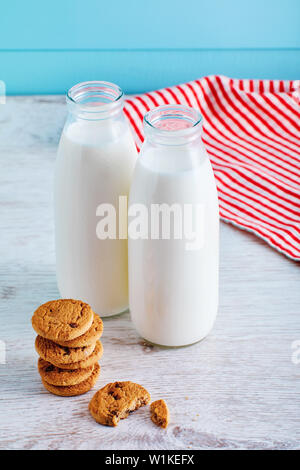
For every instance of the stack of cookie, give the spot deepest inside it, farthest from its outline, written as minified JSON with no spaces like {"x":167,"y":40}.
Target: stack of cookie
{"x":68,"y":345}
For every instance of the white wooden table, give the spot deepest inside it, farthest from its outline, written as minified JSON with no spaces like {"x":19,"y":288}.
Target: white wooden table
{"x":237,"y":389}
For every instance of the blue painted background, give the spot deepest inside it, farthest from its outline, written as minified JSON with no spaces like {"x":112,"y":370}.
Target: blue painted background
{"x":46,"y":47}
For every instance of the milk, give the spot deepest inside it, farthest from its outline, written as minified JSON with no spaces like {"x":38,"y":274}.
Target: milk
{"x":173,"y":292}
{"x":95,"y":164}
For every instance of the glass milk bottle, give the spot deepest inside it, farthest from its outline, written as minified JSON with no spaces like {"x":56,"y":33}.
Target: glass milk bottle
{"x":173,"y":258}
{"x":95,"y":163}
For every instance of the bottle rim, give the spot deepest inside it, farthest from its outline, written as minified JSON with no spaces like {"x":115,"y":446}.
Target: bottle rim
{"x":173,"y":124}
{"x":95,"y":99}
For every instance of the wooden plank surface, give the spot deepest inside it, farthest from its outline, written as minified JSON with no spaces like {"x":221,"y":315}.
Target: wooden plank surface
{"x":65,"y":25}
{"x":237,"y":389}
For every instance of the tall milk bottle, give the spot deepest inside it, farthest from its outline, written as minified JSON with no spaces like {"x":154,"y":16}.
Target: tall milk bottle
{"x":173,"y":256}
{"x":95,"y":163}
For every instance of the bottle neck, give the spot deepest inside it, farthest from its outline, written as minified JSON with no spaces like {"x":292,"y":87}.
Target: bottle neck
{"x":173,"y":125}
{"x":95,"y":101}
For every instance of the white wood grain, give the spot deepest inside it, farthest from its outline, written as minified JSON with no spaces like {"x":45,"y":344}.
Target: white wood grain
{"x":237,"y":389}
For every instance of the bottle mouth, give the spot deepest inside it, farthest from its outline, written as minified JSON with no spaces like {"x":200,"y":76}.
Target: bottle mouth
{"x":95,"y":99}
{"x":173,"y":124}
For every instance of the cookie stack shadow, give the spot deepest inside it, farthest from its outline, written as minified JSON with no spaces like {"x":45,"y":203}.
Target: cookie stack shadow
{"x":69,"y":346}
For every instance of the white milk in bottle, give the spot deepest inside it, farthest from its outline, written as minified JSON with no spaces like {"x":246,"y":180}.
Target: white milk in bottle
{"x":94,"y":166}
{"x":173,"y":277}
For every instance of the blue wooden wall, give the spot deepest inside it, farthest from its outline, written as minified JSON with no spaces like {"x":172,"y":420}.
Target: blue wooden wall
{"x":46,"y":47}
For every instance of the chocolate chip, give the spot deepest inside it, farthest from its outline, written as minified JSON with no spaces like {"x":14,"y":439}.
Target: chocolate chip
{"x":49,"y":369}
{"x":73,"y":325}
{"x":67,"y":351}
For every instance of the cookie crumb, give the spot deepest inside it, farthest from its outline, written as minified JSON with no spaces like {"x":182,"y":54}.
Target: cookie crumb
{"x":160,"y":413}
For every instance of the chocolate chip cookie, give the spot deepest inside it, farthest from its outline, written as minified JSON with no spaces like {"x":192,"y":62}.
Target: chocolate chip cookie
{"x":90,"y":360}
{"x":116,"y":400}
{"x":61,"y":377}
{"x":74,"y":390}
{"x":56,"y":354}
{"x":63,"y":319}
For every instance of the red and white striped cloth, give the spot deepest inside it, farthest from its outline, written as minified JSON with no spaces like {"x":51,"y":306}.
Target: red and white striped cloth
{"x":251,"y":132}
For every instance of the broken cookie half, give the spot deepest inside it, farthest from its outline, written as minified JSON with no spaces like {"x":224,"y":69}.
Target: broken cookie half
{"x":159,"y":413}
{"x":116,"y":400}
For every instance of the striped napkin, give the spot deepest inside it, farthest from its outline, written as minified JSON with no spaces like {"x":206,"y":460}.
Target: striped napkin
{"x":251,"y":132}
